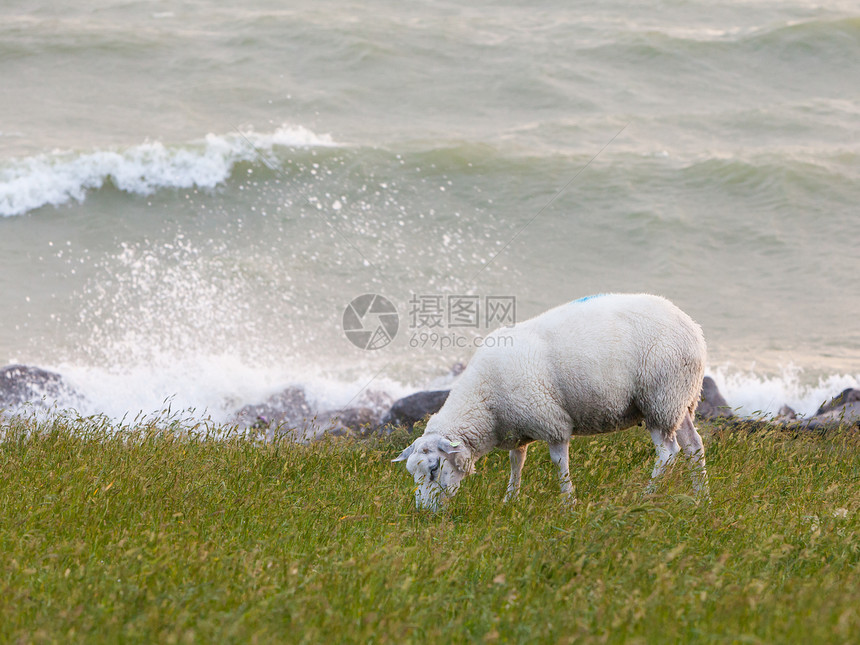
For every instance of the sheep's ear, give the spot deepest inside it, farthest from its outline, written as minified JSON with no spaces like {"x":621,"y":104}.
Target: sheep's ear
{"x":450,"y":447}
{"x":405,"y":454}
{"x":458,"y":455}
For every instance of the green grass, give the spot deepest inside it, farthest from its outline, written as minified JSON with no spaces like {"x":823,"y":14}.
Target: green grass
{"x":142,"y":535}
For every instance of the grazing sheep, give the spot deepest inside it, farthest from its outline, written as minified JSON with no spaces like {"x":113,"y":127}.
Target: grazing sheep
{"x":595,"y":365}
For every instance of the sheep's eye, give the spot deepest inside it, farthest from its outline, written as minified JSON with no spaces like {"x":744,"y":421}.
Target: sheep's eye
{"x":434,"y":470}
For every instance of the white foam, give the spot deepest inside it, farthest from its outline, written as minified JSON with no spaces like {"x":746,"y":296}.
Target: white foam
{"x":754,"y":394}
{"x":216,"y":386}
{"x":210,"y":386}
{"x":206,"y":387}
{"x":60,"y":177}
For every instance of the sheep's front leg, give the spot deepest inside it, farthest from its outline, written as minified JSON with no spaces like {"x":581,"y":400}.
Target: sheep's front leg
{"x":666,"y":451}
{"x":518,"y":458}
{"x":691,"y":443}
{"x":558,"y":452}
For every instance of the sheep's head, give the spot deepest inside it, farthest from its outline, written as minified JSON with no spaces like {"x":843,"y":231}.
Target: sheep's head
{"x":438,"y":466}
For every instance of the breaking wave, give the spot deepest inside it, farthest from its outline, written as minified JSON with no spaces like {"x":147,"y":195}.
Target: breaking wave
{"x":754,"y":394}
{"x":60,"y":177}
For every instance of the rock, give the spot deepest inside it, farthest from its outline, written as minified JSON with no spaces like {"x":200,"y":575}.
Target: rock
{"x":411,"y":409}
{"x":785,"y":415}
{"x":842,"y":410}
{"x":287,"y":409}
{"x":848,"y":395}
{"x":20,"y":384}
{"x":845,"y":414}
{"x":358,"y":422}
{"x":376,"y":400}
{"x":350,"y":421}
{"x":289,"y":414}
{"x":712,"y":405}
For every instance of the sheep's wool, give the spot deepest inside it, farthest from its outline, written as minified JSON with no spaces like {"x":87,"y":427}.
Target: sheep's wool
{"x":598,"y":364}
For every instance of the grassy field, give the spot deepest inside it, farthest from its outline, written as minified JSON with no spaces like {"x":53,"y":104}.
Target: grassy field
{"x":144,"y":535}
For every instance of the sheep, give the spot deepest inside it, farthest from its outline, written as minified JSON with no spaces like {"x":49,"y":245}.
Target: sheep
{"x":595,"y":365}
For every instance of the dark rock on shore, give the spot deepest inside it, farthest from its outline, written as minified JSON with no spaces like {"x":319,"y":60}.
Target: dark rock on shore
{"x":847,"y":414}
{"x":844,"y":398}
{"x":413,"y":408}
{"x":377,"y":401}
{"x":288,"y":408}
{"x":20,"y":384}
{"x":842,"y":410}
{"x":359,"y":422}
{"x":713,"y":405}
{"x":289,"y":413}
{"x":785,"y":415}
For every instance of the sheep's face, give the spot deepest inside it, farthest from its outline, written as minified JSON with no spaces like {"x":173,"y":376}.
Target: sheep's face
{"x":438,"y":466}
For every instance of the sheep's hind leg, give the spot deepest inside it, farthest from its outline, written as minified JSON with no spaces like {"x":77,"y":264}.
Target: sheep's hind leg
{"x":559,"y":453}
{"x":518,"y":458}
{"x":691,"y":443}
{"x":666,"y":451}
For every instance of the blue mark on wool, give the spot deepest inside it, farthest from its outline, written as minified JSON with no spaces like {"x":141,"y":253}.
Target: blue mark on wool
{"x":587,"y":298}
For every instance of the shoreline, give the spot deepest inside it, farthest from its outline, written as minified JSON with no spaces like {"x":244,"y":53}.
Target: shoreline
{"x":291,"y":410}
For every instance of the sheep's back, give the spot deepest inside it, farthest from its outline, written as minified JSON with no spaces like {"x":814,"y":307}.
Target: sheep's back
{"x":594,"y":366}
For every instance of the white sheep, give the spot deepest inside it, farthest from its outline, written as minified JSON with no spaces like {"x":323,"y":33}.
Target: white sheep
{"x":598,"y":364}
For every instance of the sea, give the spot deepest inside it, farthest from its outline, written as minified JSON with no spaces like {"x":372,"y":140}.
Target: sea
{"x":199,"y":199}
